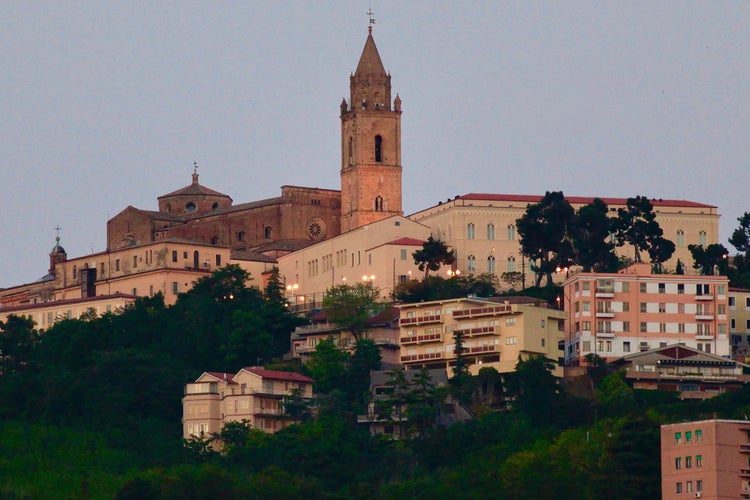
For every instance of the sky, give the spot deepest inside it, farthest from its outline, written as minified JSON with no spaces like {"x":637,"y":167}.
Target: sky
{"x":108,"y":104}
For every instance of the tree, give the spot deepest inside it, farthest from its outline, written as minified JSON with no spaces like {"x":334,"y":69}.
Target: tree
{"x":395,"y":405}
{"x":17,"y":340}
{"x":741,"y":236}
{"x":439,"y":288}
{"x":592,"y":246}
{"x":636,"y":225}
{"x":462,"y":383}
{"x":710,"y":259}
{"x":433,"y":254}
{"x":660,"y":251}
{"x":512,"y":278}
{"x":365,"y":358}
{"x":327,"y":365}
{"x":535,"y":389}
{"x":545,"y":234}
{"x":424,"y":401}
{"x":351,"y":306}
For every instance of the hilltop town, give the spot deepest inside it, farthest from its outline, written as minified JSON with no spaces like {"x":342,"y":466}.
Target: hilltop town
{"x":218,"y":326}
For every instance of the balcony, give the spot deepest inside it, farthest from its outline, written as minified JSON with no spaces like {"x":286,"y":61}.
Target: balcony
{"x":422,"y":357}
{"x":744,"y":471}
{"x":605,"y":293}
{"x":417,"y":339}
{"x":201,"y":388}
{"x":481,"y":348}
{"x":605,"y":334}
{"x":481,"y":311}
{"x":704,"y":317}
{"x":420,"y":320}
{"x":745,"y":448}
{"x":476,"y":332}
{"x":605,"y":314}
{"x":704,"y":297}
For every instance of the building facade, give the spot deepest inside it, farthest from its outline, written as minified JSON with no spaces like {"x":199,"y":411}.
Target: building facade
{"x":481,"y":228}
{"x":494,"y":333}
{"x":614,"y":314}
{"x":251,"y":394}
{"x":692,"y":373}
{"x":705,"y":459}
{"x":739,"y":324}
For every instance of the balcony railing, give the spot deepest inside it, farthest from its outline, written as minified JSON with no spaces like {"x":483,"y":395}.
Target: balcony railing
{"x":413,"y":339}
{"x":481,"y":348}
{"x":704,"y":317}
{"x":744,"y":471}
{"x":704,"y":297}
{"x":745,"y":448}
{"x":605,"y":293}
{"x":605,"y":334}
{"x":605,"y":314}
{"x":475,"y":332}
{"x":422,"y":357}
{"x":420,"y":320}
{"x":481,"y":311}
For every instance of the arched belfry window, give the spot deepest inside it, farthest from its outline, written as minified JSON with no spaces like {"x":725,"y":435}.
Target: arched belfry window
{"x":378,"y":148}
{"x":378,"y":203}
{"x":351,"y":151}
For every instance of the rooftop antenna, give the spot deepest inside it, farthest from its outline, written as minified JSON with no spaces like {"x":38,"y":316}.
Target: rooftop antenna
{"x":370,"y":13}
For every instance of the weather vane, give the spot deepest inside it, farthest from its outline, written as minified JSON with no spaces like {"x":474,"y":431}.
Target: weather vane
{"x":370,"y":13}
{"x":195,"y":167}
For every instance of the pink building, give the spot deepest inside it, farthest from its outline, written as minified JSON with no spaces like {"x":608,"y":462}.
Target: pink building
{"x":615,"y":314}
{"x":705,"y":459}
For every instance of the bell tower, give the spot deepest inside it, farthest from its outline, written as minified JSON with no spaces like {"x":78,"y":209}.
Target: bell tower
{"x":370,"y":144}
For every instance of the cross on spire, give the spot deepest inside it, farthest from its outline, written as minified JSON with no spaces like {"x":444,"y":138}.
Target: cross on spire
{"x":195,"y":167}
{"x":57,"y":229}
{"x":370,"y":13}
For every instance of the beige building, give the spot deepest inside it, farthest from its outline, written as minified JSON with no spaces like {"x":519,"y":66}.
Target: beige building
{"x":634,"y":310}
{"x":481,"y":228}
{"x":380,"y":252}
{"x":495,"y":332}
{"x":106,"y":281}
{"x":251,"y":394}
{"x":739,"y":324}
{"x":705,"y":459}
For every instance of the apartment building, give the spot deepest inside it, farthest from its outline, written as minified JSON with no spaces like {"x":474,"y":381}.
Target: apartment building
{"x":615,"y":314}
{"x":382,"y":330}
{"x":495,"y":332}
{"x":739,"y":324}
{"x":705,"y":459}
{"x":252,"y":394}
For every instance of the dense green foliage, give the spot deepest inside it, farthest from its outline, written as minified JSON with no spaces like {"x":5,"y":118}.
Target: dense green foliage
{"x":91,"y":409}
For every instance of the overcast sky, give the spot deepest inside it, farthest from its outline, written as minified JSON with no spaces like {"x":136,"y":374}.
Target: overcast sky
{"x":108,"y":104}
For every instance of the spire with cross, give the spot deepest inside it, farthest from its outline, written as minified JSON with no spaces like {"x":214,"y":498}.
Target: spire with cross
{"x":370,"y":13}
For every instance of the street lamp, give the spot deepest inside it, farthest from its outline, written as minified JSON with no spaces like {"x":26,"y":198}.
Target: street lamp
{"x":452,"y":273}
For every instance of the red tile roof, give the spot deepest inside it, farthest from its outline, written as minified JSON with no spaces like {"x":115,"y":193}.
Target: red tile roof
{"x":279,"y":375}
{"x":578,"y":200}
{"x":226,"y":377}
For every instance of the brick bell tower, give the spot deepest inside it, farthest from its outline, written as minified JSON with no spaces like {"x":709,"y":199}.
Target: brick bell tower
{"x":370,"y":144}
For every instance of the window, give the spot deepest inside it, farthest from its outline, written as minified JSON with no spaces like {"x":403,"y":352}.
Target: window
{"x":378,"y":203}
{"x":175,"y":288}
{"x":721,"y":289}
{"x":403,"y":254}
{"x":511,"y":264}
{"x":662,"y":327}
{"x":587,"y":346}
{"x":378,"y":148}
{"x":731,"y":302}
{"x":491,"y":264}
{"x":688,"y":462}
{"x":511,"y":340}
{"x":689,"y":487}
{"x":470,"y":231}
{"x":678,"y":463}
{"x":747,"y":302}
{"x":241,"y":236}
{"x":626,"y":307}
{"x":643,"y":307}
{"x":218,"y":260}
{"x":702,"y":239}
{"x":680,"y":288}
{"x":680,"y":327}
{"x":626,"y":287}
{"x":662,"y":307}
{"x":587,"y":326}
{"x":586,"y":285}
{"x":662,"y":288}
{"x":699,"y":485}
{"x":586,"y":306}
{"x":267,"y":233}
{"x":117,"y":264}
{"x":721,"y":309}
{"x":698,"y":458}
{"x":643,"y":287}
{"x":511,"y":230}
{"x":471,"y":263}
{"x":643,"y":328}
{"x":626,"y":346}
{"x":626,"y":326}
{"x":510,"y":322}
{"x":490,"y":231}
{"x":680,"y":239}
